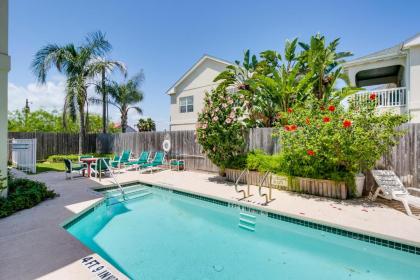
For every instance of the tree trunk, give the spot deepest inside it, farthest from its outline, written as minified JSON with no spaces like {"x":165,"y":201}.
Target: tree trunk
{"x":104,"y":104}
{"x":82,"y":132}
{"x":123,"y":122}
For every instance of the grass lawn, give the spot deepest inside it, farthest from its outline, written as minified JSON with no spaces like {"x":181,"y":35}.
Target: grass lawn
{"x":49,"y":166}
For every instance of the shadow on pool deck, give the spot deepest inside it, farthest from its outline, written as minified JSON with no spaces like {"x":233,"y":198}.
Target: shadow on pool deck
{"x":32,"y":242}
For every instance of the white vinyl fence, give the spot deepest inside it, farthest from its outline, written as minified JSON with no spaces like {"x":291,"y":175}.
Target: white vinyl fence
{"x":23,"y":154}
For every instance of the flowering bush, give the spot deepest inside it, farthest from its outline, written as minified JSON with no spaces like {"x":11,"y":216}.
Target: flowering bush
{"x":220,"y":128}
{"x":330,"y":142}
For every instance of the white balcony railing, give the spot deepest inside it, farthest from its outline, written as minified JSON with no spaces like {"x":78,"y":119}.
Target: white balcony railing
{"x":390,"y":97}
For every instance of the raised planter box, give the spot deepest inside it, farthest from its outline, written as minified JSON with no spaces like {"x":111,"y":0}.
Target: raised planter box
{"x":325,"y":188}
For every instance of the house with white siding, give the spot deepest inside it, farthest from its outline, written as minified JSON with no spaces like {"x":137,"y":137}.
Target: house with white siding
{"x":187,"y":94}
{"x":393,"y":74}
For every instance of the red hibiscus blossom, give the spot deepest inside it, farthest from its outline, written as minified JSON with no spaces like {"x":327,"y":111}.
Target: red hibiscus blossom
{"x":289,"y":110}
{"x":372,"y":96}
{"x":331,"y":108}
{"x":326,"y":119}
{"x":293,"y":127}
{"x":346,"y":123}
{"x":310,"y":152}
{"x":308,"y":121}
{"x":287,"y":127}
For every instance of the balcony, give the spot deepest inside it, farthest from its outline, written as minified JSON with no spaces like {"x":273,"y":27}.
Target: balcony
{"x":386,"y":98}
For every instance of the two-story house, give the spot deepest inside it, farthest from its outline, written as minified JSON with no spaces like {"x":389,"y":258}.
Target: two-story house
{"x":393,"y":74}
{"x":187,"y":94}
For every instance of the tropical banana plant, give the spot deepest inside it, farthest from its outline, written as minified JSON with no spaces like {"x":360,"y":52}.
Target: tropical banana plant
{"x":321,"y":60}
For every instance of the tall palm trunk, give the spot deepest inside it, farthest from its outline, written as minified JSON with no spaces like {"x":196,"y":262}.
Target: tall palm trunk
{"x":82,"y":132}
{"x":124,"y":120}
{"x":104,"y":104}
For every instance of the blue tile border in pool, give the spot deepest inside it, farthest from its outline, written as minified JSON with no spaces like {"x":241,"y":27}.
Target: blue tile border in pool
{"x":362,"y":237}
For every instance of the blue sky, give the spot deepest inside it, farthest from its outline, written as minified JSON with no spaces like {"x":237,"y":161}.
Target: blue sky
{"x":164,"y":38}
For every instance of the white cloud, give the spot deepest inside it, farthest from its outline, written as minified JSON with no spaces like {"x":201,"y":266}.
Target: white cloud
{"x":51,"y":97}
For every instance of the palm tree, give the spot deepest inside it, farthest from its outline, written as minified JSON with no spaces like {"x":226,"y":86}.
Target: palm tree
{"x":146,"y":125}
{"x":104,"y":67}
{"x":77,"y":63}
{"x":125,"y":96}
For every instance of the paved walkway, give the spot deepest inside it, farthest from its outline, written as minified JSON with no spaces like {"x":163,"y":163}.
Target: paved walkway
{"x":33,"y":245}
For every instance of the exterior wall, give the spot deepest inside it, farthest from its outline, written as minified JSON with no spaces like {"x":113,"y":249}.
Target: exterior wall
{"x":196,"y":84}
{"x":414,"y":93}
{"x":354,"y":69}
{"x":4,"y":69}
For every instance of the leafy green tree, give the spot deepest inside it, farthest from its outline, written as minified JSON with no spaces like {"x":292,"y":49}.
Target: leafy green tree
{"x":77,"y":63}
{"x":44,"y":121}
{"x":124,"y":96}
{"x":146,"y":125}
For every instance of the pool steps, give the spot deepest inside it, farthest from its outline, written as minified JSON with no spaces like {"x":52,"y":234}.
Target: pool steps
{"x":247,"y":221}
{"x":133,"y":192}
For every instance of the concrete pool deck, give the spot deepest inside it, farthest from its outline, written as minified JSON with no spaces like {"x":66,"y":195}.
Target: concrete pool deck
{"x":34,"y":245}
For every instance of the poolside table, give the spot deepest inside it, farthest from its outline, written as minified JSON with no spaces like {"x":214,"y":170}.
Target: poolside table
{"x":88,"y":162}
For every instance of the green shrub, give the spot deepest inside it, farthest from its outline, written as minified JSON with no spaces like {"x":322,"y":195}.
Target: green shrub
{"x":260,"y":161}
{"x":23,"y":194}
{"x":72,"y":157}
{"x":220,"y":128}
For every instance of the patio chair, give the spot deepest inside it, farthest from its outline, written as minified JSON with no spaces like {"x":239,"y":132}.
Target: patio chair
{"x":155,"y":164}
{"x":118,"y":162}
{"x":143,"y":159}
{"x":177,"y":164}
{"x":101,"y":166}
{"x":391,"y":188}
{"x":73,"y":168}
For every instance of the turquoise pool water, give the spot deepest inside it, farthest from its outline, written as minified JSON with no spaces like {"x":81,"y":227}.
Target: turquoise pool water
{"x":163,"y":235}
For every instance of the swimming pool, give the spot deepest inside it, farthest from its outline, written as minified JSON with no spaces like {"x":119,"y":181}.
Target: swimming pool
{"x":164,"y":234}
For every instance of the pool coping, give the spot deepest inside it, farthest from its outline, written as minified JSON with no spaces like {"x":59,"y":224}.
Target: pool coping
{"x":346,"y":231}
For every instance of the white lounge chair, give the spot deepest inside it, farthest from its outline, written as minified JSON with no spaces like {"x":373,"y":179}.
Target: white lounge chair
{"x":390,"y":187}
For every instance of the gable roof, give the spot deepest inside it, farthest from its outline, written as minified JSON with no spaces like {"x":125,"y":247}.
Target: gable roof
{"x":395,"y":51}
{"x":205,"y":57}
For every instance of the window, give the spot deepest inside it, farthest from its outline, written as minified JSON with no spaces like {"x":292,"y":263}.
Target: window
{"x":186,"y":104}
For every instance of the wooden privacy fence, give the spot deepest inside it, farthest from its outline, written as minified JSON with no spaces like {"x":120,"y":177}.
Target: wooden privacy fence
{"x":404,"y":158}
{"x":49,"y":143}
{"x":183,"y":146}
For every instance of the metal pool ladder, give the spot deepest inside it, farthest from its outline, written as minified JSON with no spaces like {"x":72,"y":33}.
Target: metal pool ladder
{"x":245,"y":193}
{"x":268,"y":197}
{"x":115,"y":179}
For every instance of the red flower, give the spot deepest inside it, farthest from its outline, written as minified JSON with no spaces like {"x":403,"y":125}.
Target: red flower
{"x":372,"y":96}
{"x":326,"y":119}
{"x":331,"y":108}
{"x":289,"y":110}
{"x":310,"y":152}
{"x":308,"y":121}
{"x":346,"y":123}
{"x":287,"y":127}
{"x":293,"y":127}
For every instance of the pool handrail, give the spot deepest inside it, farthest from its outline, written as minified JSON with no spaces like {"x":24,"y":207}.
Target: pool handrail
{"x":268,"y":197}
{"x":243,"y":191}
{"x":115,"y":179}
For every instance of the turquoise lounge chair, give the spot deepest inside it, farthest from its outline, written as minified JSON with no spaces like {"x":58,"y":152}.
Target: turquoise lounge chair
{"x":157,"y":161}
{"x":73,"y":168}
{"x":101,"y":166}
{"x":143,"y":159}
{"x":121,"y":161}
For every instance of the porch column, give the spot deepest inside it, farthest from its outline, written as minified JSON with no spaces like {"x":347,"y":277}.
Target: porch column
{"x":4,"y":69}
